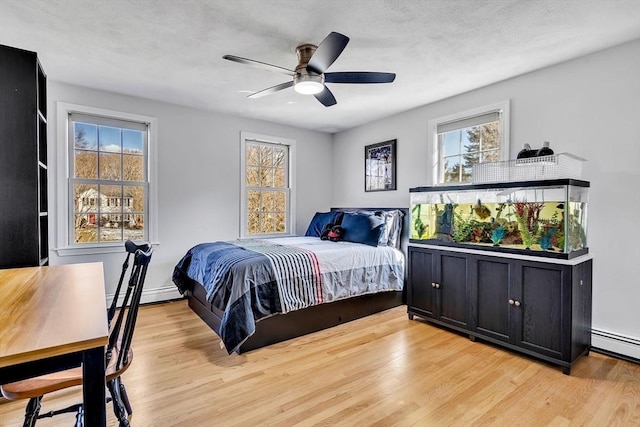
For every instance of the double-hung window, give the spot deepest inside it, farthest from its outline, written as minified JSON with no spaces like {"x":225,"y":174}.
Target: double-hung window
{"x":463,"y":140}
{"x":108,"y":196}
{"x":267,"y":185}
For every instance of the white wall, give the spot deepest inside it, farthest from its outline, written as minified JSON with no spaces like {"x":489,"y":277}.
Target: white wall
{"x":589,"y":107}
{"x":198,"y":178}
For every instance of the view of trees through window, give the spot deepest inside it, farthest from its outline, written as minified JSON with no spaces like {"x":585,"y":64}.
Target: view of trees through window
{"x":108,"y":183}
{"x":463,"y":148}
{"x":267,"y":187}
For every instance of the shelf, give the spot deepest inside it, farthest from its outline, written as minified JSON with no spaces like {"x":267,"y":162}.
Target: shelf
{"x":44,"y":238}
{"x":42,"y":90}
{"x":42,"y":189}
{"x":42,"y":140}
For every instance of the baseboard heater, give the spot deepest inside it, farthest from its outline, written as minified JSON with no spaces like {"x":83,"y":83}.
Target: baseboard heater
{"x":615,"y":345}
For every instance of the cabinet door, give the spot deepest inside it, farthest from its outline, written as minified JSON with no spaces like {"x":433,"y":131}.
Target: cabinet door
{"x":490,"y":284}
{"x":452,"y":289}
{"x":420,"y":292}
{"x":542,"y":307}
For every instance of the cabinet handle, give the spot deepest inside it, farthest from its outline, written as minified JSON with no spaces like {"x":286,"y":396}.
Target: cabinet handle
{"x":437,"y":285}
{"x":511,"y":302}
{"x":433,"y":285}
{"x":517,"y":303}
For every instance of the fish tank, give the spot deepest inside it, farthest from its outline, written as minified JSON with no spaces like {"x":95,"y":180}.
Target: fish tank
{"x":542,"y":218}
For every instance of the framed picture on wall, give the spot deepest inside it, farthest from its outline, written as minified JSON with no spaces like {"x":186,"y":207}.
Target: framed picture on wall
{"x":380,"y":166}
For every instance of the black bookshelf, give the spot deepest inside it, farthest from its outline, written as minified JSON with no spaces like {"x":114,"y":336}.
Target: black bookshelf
{"x":24,"y":215}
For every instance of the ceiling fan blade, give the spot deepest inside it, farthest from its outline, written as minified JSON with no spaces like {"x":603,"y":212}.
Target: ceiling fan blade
{"x":259,"y":64}
{"x":271,"y":90}
{"x":359,"y":77}
{"x":327,"y":52}
{"x":326,"y":97}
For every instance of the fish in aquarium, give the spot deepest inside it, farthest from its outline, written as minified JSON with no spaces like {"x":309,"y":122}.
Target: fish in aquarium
{"x":481,"y":210}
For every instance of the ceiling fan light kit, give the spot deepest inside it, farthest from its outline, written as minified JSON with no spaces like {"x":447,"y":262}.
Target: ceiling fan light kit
{"x":310,"y":75}
{"x":308,"y":84}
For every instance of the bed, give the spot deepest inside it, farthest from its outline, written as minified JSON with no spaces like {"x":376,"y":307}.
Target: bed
{"x":257,"y":292}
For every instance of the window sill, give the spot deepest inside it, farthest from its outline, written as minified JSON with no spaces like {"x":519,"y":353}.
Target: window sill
{"x":105,"y":248}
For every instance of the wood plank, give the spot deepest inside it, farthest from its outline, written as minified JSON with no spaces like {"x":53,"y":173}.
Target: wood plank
{"x":381,"y":370}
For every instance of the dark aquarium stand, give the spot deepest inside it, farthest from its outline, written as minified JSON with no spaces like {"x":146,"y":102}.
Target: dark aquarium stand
{"x":534,"y":301}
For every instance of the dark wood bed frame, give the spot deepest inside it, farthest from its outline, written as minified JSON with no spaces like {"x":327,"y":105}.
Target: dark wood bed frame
{"x":282,"y":327}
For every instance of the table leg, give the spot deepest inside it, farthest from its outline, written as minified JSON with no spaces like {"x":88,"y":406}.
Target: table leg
{"x":93,"y":387}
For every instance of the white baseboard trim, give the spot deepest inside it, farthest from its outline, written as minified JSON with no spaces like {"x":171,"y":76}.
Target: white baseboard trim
{"x":616,"y":343}
{"x":149,"y":295}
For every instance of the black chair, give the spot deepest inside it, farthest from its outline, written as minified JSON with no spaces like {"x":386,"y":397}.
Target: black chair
{"x":119,"y":354}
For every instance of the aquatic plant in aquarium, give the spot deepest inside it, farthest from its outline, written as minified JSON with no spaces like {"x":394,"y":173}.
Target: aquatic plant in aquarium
{"x":418,"y":226}
{"x":497,"y":235}
{"x":527,"y":216}
{"x":546,"y":218}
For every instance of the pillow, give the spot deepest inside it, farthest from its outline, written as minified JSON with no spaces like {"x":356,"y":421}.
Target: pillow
{"x":393,"y":226}
{"x":319,"y":222}
{"x":384,"y":236}
{"x":393,"y":220}
{"x":362,"y":228}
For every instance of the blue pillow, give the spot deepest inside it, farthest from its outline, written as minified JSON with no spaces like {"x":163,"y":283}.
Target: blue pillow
{"x":320,"y":221}
{"x":363,"y":228}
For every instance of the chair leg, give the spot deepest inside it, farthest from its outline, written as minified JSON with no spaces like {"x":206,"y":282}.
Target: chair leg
{"x":118,"y":407}
{"x":125,"y":397}
{"x":80,"y":416}
{"x":32,"y":411}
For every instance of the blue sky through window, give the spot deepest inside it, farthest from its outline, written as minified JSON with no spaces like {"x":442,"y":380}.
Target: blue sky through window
{"x":85,"y":136}
{"x":455,"y":142}
{"x":132,"y":141}
{"x":112,"y":139}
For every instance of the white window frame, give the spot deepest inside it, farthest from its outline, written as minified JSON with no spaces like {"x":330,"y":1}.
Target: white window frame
{"x":291,"y":144}
{"x":64,"y":245}
{"x":432,"y":133}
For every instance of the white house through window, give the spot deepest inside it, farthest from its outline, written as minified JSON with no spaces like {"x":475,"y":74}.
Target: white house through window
{"x":108,"y":183}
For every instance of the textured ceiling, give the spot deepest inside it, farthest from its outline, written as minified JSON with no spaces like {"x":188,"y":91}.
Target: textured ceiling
{"x":171,"y":50}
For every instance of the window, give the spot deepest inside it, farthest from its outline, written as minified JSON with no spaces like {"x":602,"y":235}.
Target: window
{"x":106,"y":184}
{"x":465,"y":139}
{"x":267,"y":186}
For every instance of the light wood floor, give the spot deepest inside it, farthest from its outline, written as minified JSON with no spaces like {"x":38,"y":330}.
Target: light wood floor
{"x":382,"y":370}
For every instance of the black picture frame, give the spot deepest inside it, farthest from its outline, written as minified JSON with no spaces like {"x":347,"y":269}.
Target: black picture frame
{"x":380,"y":166}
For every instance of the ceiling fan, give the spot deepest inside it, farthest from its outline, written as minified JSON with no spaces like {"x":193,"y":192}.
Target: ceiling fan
{"x":310,"y":75}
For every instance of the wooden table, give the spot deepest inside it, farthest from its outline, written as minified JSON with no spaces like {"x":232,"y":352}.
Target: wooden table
{"x":52,"y":319}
